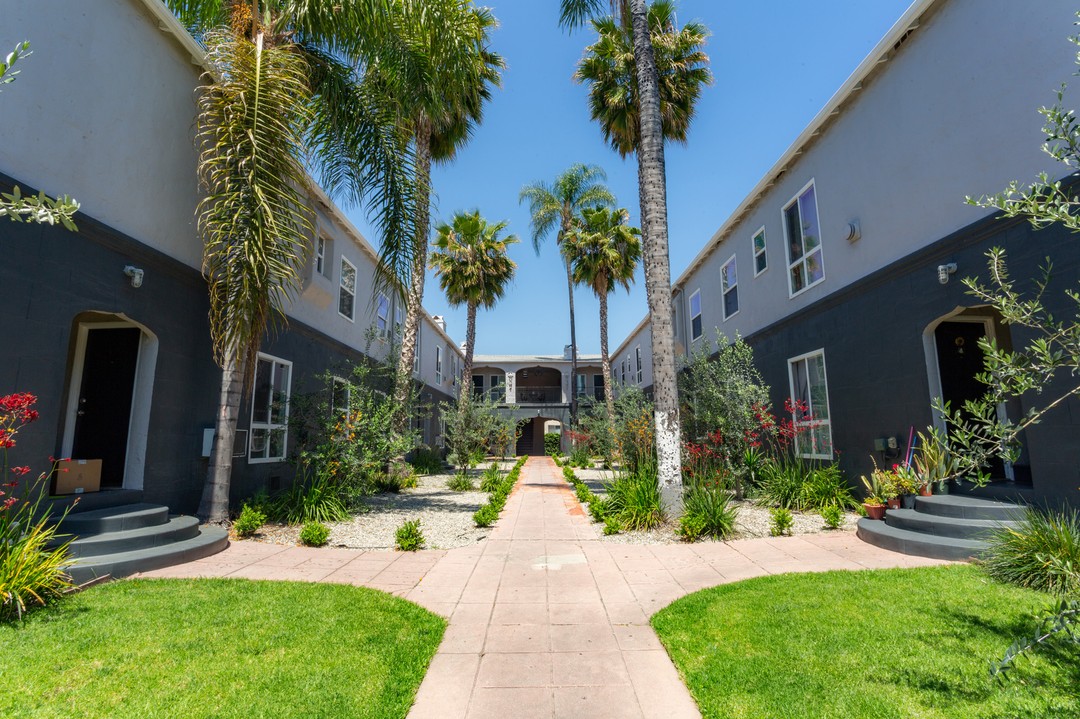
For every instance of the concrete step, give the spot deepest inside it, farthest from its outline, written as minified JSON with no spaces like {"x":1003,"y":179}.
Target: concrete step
{"x":114,"y":519}
{"x":918,"y":544}
{"x":999,"y":491}
{"x":93,"y":500}
{"x":177,"y":529}
{"x":942,"y":526}
{"x":955,"y":505}
{"x":210,"y":540}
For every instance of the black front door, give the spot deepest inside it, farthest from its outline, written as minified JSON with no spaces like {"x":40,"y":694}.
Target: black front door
{"x":960,"y":359}
{"x":104,"y":413}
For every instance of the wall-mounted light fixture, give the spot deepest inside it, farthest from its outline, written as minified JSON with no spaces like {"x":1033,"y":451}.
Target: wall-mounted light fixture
{"x":854,"y":232}
{"x":943,"y":272}
{"x":136,"y":275}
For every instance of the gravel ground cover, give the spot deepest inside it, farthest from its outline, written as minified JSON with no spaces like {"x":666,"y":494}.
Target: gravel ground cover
{"x":753,"y":521}
{"x":445,"y":517}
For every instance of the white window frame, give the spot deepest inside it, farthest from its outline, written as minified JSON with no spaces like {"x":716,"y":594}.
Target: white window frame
{"x":438,"y":365}
{"x":268,"y":425}
{"x":814,"y":421}
{"x":725,"y":288}
{"x":399,"y":323}
{"x":622,"y":373}
{"x":382,"y":315}
{"x":336,"y":411}
{"x":763,"y":252}
{"x":320,"y":255}
{"x":497,"y":383}
{"x":820,"y":249}
{"x":690,"y":311}
{"x":637,"y":364}
{"x":343,"y":290}
{"x":453,"y":369}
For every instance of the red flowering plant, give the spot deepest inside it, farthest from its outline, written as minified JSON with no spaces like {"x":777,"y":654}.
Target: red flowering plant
{"x":31,"y":564}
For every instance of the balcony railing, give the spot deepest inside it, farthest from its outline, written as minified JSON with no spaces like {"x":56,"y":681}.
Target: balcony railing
{"x":539,"y":395}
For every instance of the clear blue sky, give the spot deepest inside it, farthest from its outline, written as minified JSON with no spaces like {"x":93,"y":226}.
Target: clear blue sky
{"x":776,"y":64}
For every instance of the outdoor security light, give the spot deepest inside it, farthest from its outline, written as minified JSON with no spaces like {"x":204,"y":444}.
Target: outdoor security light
{"x":943,"y":272}
{"x":136,"y":275}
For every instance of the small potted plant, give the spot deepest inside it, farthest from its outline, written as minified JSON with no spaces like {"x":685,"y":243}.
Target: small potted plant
{"x":874,"y":504}
{"x":907,"y":483}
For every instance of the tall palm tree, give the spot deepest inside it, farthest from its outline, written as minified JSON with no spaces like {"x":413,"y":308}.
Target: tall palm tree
{"x":604,"y":252}
{"x":255,"y":221}
{"x":652,"y":188}
{"x":559,"y":205}
{"x":440,"y":111}
{"x":473,"y":268}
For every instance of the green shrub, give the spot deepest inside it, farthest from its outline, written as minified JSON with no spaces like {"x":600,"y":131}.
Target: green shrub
{"x":311,"y":498}
{"x":579,"y":456}
{"x":612,"y":525}
{"x":691,"y":527}
{"x":491,"y":478}
{"x":713,"y":507}
{"x":426,"y":461}
{"x":460,"y":482}
{"x":314,"y":534}
{"x":782,"y":482}
{"x":249,"y":521}
{"x":583,"y":494}
{"x":598,"y":509}
{"x":32,"y":562}
{"x":833,"y":516}
{"x":1042,"y":553}
{"x":635,"y":498}
{"x":486,"y":515}
{"x":825,"y":486}
{"x":409,"y":537}
{"x":552,"y":443}
{"x":568,"y":474}
{"x":782,"y":521}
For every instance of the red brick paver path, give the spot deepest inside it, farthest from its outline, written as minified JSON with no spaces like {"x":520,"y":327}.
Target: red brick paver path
{"x":545,"y":620}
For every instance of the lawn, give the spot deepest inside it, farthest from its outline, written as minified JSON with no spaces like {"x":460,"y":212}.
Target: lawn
{"x":218,"y":648}
{"x":893,"y":643}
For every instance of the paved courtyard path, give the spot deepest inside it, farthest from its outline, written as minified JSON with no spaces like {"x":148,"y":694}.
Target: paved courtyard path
{"x":545,"y":619}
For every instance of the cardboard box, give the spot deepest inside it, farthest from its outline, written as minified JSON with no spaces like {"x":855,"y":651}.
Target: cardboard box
{"x":78,"y":476}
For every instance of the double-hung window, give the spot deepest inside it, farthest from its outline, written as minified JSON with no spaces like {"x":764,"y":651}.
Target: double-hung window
{"x":497,"y":391}
{"x":637,"y":360}
{"x":695,"y":315}
{"x":478,"y":386}
{"x":810,"y":406}
{"x":382,"y":316}
{"x":320,"y":255}
{"x":761,"y":261}
{"x":622,"y":369}
{"x":347,"y":290}
{"x":729,"y":284}
{"x":803,"y":232}
{"x":579,"y":385}
{"x":453,"y":369}
{"x":270,"y":409}
{"x":398,"y":326}
{"x":438,"y":365}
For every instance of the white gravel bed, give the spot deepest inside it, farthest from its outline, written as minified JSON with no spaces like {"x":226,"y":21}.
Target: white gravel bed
{"x":753,"y":520}
{"x":445,"y":517}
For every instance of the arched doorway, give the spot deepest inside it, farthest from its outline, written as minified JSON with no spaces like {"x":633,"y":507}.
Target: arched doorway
{"x":954,"y":360}
{"x":110,"y":390}
{"x":531,"y":436}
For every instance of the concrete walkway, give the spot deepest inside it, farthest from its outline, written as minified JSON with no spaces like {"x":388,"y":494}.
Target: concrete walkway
{"x":545,"y":620}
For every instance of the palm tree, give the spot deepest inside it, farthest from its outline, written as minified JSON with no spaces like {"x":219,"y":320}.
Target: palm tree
{"x":470,"y":260}
{"x":559,"y":205}
{"x":255,"y":221}
{"x":652,"y":188}
{"x":604,"y":251}
{"x":440,"y":111}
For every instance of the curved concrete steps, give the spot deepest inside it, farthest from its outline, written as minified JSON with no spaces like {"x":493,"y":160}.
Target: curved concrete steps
{"x":126,"y":538}
{"x":944,"y":526}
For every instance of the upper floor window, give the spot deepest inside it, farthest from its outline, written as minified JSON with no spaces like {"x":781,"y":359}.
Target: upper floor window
{"x":453,"y":369}
{"x":761,"y":261}
{"x":347,"y":290}
{"x":398,"y":325}
{"x":695,"y":315}
{"x":382,"y":315}
{"x":810,"y":406}
{"x":729,"y":284}
{"x":320,"y":255}
{"x":339,"y":397}
{"x":270,"y":409}
{"x":637,"y":360}
{"x":478,"y":386}
{"x":497,"y":390}
{"x":622,"y":367}
{"x":438,"y":365}
{"x":805,"y":267}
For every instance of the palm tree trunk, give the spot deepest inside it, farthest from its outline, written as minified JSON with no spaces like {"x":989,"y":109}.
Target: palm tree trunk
{"x":573,"y":334}
{"x":605,"y":364}
{"x":653,"y":186}
{"x":414,"y":304}
{"x":466,"y":370}
{"x":214,"y":507}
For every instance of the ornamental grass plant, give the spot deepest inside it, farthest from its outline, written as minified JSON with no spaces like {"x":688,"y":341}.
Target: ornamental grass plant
{"x":1042,"y":553}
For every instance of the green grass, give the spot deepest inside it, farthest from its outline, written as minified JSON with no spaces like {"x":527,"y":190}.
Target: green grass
{"x":218,"y":648}
{"x":894,"y":643}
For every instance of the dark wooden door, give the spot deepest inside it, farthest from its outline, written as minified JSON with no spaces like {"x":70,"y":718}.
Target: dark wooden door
{"x":960,"y":360}
{"x":104,"y":414}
